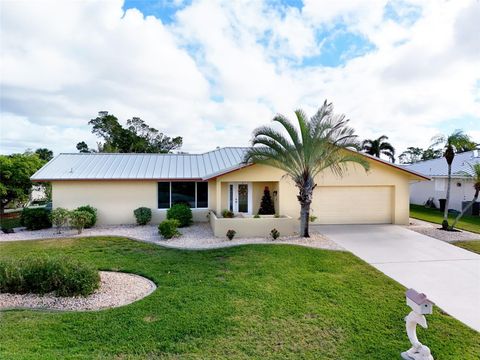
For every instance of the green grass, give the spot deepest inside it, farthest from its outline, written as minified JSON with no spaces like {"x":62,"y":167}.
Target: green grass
{"x":469,"y":223}
{"x":256,"y":301}
{"x":473,"y":246}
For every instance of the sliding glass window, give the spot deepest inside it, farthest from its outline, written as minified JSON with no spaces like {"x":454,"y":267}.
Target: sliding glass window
{"x":194,"y":194}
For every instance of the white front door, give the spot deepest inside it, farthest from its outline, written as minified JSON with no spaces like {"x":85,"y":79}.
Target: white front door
{"x":240,"y":197}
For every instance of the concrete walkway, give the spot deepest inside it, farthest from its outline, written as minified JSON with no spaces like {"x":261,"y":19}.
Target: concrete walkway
{"x":449,"y":275}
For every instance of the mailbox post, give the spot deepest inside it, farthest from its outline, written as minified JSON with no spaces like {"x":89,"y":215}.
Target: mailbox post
{"x":420,"y":306}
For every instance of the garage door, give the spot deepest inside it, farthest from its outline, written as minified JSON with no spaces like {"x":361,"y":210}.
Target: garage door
{"x":353,"y":205}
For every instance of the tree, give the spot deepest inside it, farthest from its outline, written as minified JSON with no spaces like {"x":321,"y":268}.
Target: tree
{"x":319,"y":143}
{"x":15,"y":172}
{"x":411,"y":155}
{"x":377,"y":147}
{"x":476,"y":185}
{"x":431,"y":153}
{"x":267,"y":207}
{"x":44,"y":154}
{"x":137,"y":137}
{"x":451,"y":143}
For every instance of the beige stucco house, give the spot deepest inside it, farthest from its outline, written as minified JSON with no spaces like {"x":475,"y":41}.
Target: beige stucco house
{"x":116,"y":184}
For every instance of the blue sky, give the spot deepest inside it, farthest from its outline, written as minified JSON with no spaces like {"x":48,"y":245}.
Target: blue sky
{"x":212,"y":71}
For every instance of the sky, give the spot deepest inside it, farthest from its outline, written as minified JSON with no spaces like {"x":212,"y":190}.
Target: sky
{"x":212,"y":71}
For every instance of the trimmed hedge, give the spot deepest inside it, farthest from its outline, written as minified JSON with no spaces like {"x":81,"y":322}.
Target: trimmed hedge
{"x":143,"y":215}
{"x":91,"y":210}
{"x":36,"y":218}
{"x":168,"y":228}
{"x":182,"y":213}
{"x":42,"y":274}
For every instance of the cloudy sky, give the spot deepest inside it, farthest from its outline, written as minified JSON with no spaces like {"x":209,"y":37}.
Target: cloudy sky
{"x":211,"y":71}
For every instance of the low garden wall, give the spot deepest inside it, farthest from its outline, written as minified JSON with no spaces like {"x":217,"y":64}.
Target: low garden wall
{"x":253,"y":227}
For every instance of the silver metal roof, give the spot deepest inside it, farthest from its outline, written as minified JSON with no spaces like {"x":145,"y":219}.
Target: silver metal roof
{"x":438,"y":167}
{"x":97,"y":166}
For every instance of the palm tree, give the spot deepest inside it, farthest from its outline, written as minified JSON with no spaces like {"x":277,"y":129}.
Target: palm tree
{"x":456,"y":141}
{"x":377,"y":147}
{"x":476,"y":185}
{"x":319,"y":143}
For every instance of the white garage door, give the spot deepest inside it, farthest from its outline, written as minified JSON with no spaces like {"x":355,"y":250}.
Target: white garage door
{"x":353,"y":205}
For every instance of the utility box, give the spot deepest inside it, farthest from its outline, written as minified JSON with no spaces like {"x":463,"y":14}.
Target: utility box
{"x":464,"y":205}
{"x":418,"y":302}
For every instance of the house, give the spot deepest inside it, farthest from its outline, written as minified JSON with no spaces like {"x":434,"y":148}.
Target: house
{"x":461,"y":189}
{"x":116,"y":184}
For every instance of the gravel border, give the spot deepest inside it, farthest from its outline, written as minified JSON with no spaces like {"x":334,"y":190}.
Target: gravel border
{"x":198,"y":236}
{"x":433,"y":230}
{"x":116,"y":289}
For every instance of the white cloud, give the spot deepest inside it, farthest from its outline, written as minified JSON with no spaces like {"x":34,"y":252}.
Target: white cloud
{"x":62,"y":62}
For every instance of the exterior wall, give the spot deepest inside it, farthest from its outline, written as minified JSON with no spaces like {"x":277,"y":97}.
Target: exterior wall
{"x":114,"y":200}
{"x":251,"y":227}
{"x":378,"y":175}
{"x":420,"y":192}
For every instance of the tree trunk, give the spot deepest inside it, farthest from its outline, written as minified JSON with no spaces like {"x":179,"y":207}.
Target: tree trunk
{"x":475,"y":197}
{"x":304,"y":219}
{"x":447,"y":198}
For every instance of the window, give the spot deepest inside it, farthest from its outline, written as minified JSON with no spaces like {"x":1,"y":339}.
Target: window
{"x":194,"y":194}
{"x":183,"y":193}
{"x":202,"y":194}
{"x":163,"y":195}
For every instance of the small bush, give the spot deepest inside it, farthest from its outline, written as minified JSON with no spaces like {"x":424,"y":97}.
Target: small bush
{"x":256,"y":216}
{"x":182,"y":213}
{"x":36,"y":218}
{"x":313,"y":218}
{"x":231,"y":234}
{"x":143,"y":215}
{"x":227,"y":214}
{"x":42,"y":275}
{"x":92,"y":211}
{"x":275,"y":234}
{"x":59,"y":217}
{"x":168,"y":228}
{"x":79,"y":219}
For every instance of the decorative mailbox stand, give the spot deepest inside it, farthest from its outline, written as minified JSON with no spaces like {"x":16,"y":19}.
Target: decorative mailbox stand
{"x":420,"y":306}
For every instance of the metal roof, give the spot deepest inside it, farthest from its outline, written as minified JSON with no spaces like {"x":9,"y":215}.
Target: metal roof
{"x":112,"y":166}
{"x":99,"y":166}
{"x":438,"y":167}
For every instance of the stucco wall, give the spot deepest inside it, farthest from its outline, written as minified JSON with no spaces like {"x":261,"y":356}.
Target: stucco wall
{"x":421,"y":191}
{"x":114,"y":200}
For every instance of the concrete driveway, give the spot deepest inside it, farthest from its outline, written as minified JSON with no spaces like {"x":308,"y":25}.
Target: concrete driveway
{"x":449,"y":275}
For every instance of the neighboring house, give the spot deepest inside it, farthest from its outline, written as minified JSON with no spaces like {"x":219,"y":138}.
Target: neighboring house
{"x":116,"y":184}
{"x":462,"y":185}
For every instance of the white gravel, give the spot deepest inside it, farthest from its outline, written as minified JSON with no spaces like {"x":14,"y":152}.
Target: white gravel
{"x":433,"y":230}
{"x":116,"y":289}
{"x":196,"y":237}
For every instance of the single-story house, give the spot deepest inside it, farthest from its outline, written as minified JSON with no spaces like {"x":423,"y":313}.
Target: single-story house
{"x":461,"y":189}
{"x":116,"y":184}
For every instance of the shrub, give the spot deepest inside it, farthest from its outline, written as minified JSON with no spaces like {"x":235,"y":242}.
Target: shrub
{"x":313,"y":218}
{"x":256,"y":216}
{"x":227,"y":214}
{"x":267,"y":206}
{"x":59,"y":217}
{"x":41,"y":275}
{"x":275,"y":234}
{"x":79,"y":219}
{"x":36,"y":218}
{"x":231,"y":234}
{"x":168,"y":228}
{"x":92,"y":211}
{"x":143,"y":215}
{"x":182,"y":213}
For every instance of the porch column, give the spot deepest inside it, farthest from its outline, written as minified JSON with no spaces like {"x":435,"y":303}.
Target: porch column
{"x":218,"y":189}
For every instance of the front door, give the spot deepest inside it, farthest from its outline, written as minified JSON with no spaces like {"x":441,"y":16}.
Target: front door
{"x":240,"y":197}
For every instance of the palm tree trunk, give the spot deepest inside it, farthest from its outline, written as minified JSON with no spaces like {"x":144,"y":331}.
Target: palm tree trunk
{"x":475,"y":197}
{"x":304,"y":219}
{"x":447,"y":199}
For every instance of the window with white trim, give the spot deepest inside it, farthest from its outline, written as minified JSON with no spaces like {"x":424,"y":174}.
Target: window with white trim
{"x":192,"y":193}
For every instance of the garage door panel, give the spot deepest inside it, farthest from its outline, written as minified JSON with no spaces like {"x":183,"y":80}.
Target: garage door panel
{"x":353,"y":204}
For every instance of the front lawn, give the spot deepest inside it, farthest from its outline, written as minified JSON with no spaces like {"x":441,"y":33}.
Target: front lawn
{"x":469,"y":223}
{"x":255,"y":301}
{"x":473,"y":246}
